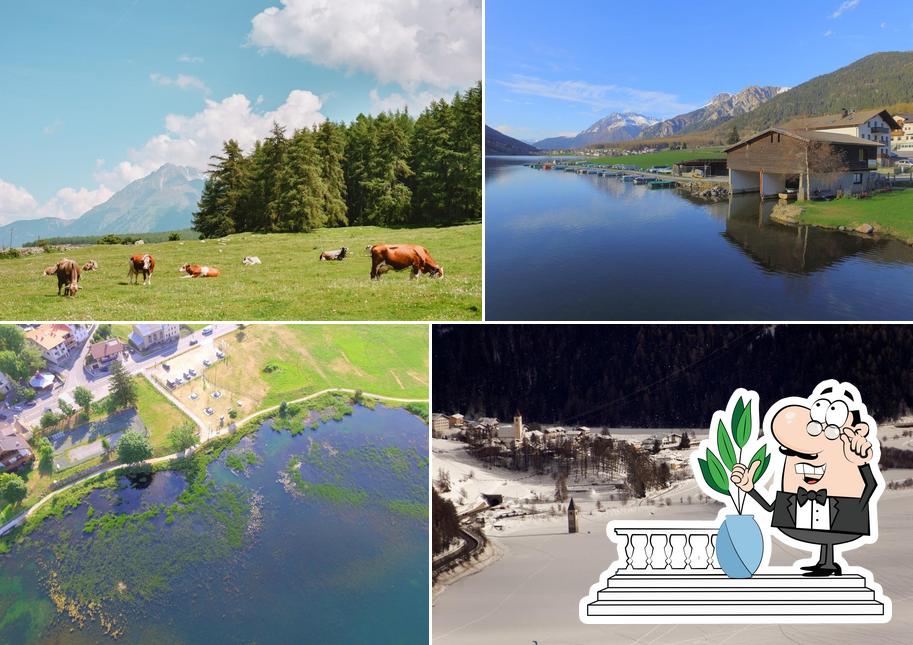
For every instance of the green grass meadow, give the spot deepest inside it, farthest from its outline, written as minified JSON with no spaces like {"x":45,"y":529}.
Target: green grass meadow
{"x":291,"y":284}
{"x":890,"y":213}
{"x":663,"y":157}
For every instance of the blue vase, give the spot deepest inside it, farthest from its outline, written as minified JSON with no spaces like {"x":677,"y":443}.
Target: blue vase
{"x":739,"y":546}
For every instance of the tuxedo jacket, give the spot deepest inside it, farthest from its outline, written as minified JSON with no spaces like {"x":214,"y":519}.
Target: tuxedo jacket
{"x":848,"y":514}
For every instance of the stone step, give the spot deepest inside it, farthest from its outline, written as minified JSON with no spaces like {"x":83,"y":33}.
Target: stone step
{"x":747,"y":608}
{"x":721,"y":581}
{"x":737,"y":594}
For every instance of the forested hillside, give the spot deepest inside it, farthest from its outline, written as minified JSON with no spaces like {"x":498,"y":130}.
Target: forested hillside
{"x":880,"y":80}
{"x":386,"y":170}
{"x":661,"y":375}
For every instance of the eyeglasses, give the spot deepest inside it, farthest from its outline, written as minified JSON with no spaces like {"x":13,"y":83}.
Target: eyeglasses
{"x":814,"y":428}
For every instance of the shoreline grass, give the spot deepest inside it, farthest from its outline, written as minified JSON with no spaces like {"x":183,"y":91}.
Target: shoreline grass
{"x":889,"y":213}
{"x":662,"y":158}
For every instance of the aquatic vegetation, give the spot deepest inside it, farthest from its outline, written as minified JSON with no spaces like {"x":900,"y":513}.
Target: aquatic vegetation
{"x":21,"y":614}
{"x":418,"y":510}
{"x":239,"y":461}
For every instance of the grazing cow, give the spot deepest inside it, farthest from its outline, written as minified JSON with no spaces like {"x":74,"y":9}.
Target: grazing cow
{"x":251,"y":260}
{"x":67,"y":272}
{"x":144,"y":264}
{"x":198,"y":271}
{"x":91,"y":265}
{"x":403,"y":256}
{"x":337,"y":254}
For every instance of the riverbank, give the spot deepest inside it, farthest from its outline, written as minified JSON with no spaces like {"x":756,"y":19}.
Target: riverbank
{"x":662,"y":158}
{"x":887,"y":214}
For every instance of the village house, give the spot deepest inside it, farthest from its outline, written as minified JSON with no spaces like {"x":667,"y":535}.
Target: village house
{"x":105,"y":352}
{"x":149,"y":335}
{"x":54,"y":341}
{"x":872,"y":125}
{"x":6,"y":384}
{"x":902,"y":137}
{"x":440,"y":425}
{"x":456,"y":420}
{"x":14,"y":450}
{"x":811,"y":162}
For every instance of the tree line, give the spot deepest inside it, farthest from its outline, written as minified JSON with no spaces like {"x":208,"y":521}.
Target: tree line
{"x":385,"y":170}
{"x":661,"y":375}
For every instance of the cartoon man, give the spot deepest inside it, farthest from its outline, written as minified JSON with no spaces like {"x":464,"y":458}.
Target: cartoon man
{"x":827,"y":480}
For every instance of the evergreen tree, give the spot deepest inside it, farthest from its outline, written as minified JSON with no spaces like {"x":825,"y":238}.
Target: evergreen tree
{"x":122,"y":389}
{"x":733,"y":136}
{"x":331,"y":146}
{"x":222,"y":199}
{"x":388,"y":197}
{"x":301,"y":190}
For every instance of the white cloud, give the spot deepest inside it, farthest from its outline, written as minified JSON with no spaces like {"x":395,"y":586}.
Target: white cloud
{"x":187,"y":58}
{"x":191,"y":140}
{"x":415,"y":101}
{"x":437,"y":42}
{"x":16,"y":203}
{"x":182,"y":81}
{"x":828,"y":33}
{"x":600,"y":97}
{"x":52,"y":127}
{"x":847,"y":5}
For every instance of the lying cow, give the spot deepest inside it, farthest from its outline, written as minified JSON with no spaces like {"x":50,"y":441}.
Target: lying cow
{"x":198,"y":271}
{"x":338,"y":254}
{"x":91,"y":265}
{"x":67,"y":272}
{"x":403,"y":256}
{"x":251,"y":260}
{"x":144,"y":264}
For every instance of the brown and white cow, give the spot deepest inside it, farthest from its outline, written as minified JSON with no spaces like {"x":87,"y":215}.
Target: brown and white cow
{"x":199,"y":271}
{"x":144,"y":264}
{"x":403,"y":256}
{"x":336,"y":254}
{"x":91,"y":265}
{"x":67,"y":272}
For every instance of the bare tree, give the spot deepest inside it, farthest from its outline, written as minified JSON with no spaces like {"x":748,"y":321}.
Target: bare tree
{"x":825,"y":162}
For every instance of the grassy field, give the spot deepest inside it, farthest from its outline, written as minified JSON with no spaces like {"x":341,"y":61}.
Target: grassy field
{"x":663,"y":158}
{"x":889,"y":213}
{"x":268,"y":364}
{"x":158,"y":414}
{"x":291,"y":284}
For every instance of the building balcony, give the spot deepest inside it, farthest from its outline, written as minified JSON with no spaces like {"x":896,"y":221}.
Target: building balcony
{"x":877,"y":129}
{"x":669,"y":574}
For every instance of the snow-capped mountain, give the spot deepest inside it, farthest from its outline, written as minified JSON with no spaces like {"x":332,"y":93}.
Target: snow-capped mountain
{"x":720,"y":109}
{"x":161,"y":201}
{"x":615,"y":127}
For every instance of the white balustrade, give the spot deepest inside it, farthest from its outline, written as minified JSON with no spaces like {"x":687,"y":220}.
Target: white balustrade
{"x":671,"y":550}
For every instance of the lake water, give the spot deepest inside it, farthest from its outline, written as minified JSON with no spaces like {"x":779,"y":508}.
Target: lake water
{"x":309,"y":568}
{"x":561,"y":246}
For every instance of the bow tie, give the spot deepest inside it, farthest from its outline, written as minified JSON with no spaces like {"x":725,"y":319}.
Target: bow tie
{"x":819,"y":496}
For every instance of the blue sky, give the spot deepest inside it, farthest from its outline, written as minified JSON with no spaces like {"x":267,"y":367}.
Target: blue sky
{"x":556,"y":67}
{"x":100,"y":92}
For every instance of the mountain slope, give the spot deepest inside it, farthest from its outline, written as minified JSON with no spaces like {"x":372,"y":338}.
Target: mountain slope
{"x":498,"y":143}
{"x":878,"y":80}
{"x":720,"y":109}
{"x":615,"y":127}
{"x":161,"y":201}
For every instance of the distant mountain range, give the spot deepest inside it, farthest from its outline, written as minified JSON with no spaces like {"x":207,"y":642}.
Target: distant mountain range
{"x":162,"y":201}
{"x":498,"y":143}
{"x":617,"y":126}
{"x":720,"y":109}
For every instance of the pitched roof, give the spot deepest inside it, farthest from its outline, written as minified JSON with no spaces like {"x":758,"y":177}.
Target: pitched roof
{"x":11,"y":443}
{"x":807,"y":135}
{"x":848,"y":120}
{"x":106,"y":348}
{"x":49,"y":336}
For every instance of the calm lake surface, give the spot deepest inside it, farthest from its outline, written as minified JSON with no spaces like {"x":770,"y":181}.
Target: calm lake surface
{"x":310,"y":568}
{"x":561,"y":246}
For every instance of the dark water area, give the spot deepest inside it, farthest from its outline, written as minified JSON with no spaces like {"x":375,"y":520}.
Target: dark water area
{"x":561,"y":246}
{"x":310,"y":568}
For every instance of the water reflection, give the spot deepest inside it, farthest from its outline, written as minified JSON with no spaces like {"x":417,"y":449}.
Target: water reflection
{"x":562,"y":246}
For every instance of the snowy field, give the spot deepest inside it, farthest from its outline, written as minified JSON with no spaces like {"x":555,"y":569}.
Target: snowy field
{"x":531,"y":593}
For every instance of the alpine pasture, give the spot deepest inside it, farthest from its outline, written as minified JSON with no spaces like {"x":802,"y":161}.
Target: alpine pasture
{"x":290,"y":284}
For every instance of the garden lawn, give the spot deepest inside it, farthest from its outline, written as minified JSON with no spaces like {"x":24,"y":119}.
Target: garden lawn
{"x":158,"y":414}
{"x":291,"y":284}
{"x":890,"y":213}
{"x":663,"y":157}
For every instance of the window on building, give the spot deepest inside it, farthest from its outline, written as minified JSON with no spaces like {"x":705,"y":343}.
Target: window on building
{"x":861,"y":154}
{"x":857,"y":177}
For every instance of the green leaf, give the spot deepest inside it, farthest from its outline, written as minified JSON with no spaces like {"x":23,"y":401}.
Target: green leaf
{"x":742,"y":431}
{"x":737,"y":414}
{"x":725,"y":445}
{"x":760,"y":455}
{"x":718,"y":473}
{"x":705,"y":471}
{"x":761,"y":470}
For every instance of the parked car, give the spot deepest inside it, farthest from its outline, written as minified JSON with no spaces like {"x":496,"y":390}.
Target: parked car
{"x":194,"y":341}
{"x":192,"y":372}
{"x":166,"y":366}
{"x":220,"y":355}
{"x":207,"y":330}
{"x":697,"y":173}
{"x":206,"y":362}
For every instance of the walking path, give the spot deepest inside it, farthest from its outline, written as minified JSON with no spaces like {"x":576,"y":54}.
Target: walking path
{"x":157,"y":460}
